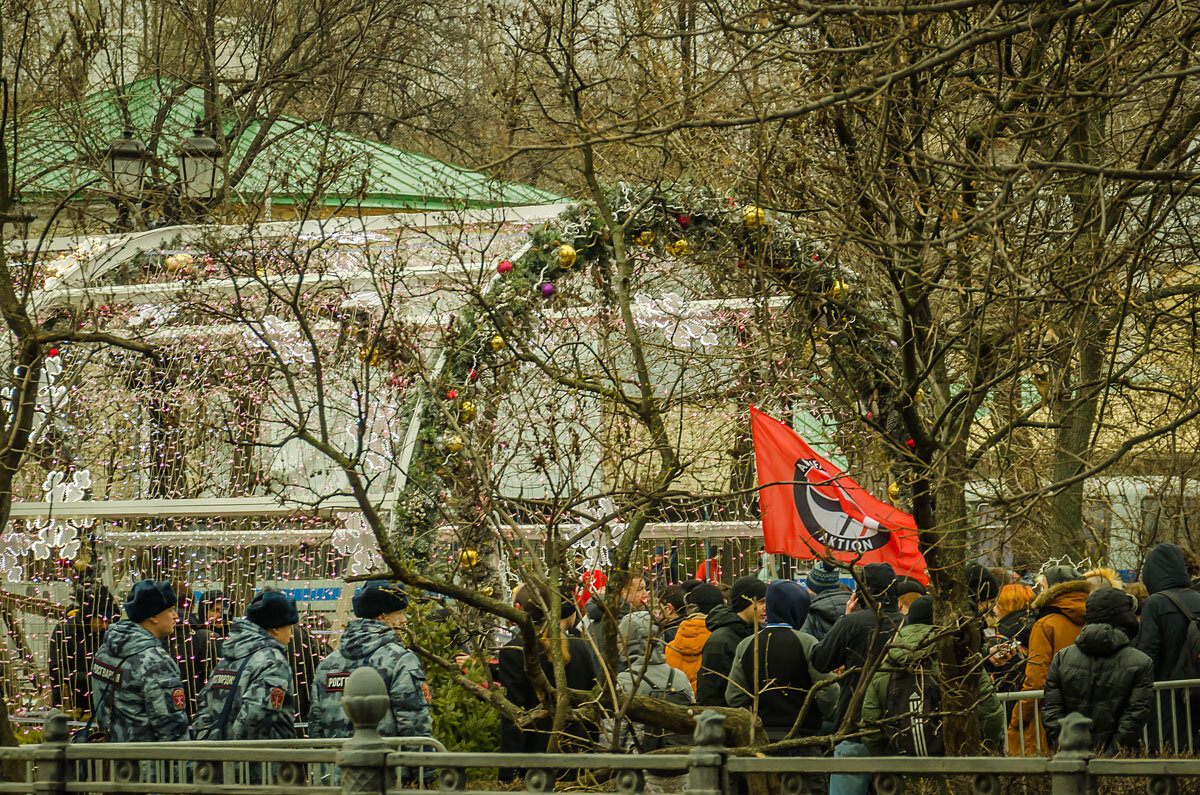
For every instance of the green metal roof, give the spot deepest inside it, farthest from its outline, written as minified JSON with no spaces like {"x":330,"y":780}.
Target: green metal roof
{"x":60,"y":146}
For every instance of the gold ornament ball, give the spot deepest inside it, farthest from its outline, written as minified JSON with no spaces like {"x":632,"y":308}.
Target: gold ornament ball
{"x":646,"y":238}
{"x":454,"y":444}
{"x":179,"y":263}
{"x":919,"y":398}
{"x":680,"y":247}
{"x":566,"y":255}
{"x":469,"y":558}
{"x":894,"y":491}
{"x":466,"y":412}
{"x":753,"y":217}
{"x":497,"y":343}
{"x":838,"y":291}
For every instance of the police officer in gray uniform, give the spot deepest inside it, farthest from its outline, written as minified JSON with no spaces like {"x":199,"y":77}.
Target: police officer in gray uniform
{"x":251,"y":694}
{"x":371,"y":639}
{"x":137,"y":693}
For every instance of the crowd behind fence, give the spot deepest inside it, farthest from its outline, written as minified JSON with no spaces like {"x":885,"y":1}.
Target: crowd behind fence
{"x":369,"y":763}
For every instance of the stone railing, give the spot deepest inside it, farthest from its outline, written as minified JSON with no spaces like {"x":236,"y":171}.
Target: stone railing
{"x":368,"y":763}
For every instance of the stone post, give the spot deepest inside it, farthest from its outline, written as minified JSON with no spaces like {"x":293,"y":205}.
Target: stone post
{"x":363,"y":757}
{"x":1069,"y":767}
{"x":706,"y":760}
{"x":51,"y":776}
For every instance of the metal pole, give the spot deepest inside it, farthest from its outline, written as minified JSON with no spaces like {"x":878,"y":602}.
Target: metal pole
{"x":1069,"y":767}
{"x":706,"y":760}
{"x":51,"y":776}
{"x":363,"y":758}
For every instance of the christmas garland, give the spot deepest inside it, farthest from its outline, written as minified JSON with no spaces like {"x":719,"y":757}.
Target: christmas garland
{"x":711,"y":231}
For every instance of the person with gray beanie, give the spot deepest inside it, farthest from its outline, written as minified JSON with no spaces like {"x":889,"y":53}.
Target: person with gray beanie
{"x":747,"y":610}
{"x":1102,"y":676}
{"x":829,"y":599}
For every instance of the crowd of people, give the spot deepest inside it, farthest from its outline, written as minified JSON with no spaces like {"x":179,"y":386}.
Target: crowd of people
{"x":842,"y":653}
{"x":795,"y":652}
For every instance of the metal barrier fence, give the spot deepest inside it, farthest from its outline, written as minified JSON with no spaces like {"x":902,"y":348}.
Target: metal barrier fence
{"x":1171,"y":725}
{"x":368,"y":763}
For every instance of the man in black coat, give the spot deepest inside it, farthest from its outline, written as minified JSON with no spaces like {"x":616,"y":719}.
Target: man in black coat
{"x":729,"y":625}
{"x":848,"y":644}
{"x":1102,"y":676}
{"x":72,"y":646}
{"x":1164,"y":625}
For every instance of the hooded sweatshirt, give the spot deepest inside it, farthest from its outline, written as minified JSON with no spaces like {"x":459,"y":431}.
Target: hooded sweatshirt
{"x":1164,"y":627}
{"x":368,"y":642}
{"x":776,"y":664}
{"x":255,"y":674}
{"x":1103,"y":677}
{"x":848,"y":643}
{"x":137,"y":695}
{"x":914,"y":646}
{"x":685,"y":648}
{"x":728,"y":629}
{"x":647,"y":666}
{"x":826,"y":608}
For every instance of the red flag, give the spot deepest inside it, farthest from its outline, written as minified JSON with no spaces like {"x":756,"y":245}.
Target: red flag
{"x":816,"y":510}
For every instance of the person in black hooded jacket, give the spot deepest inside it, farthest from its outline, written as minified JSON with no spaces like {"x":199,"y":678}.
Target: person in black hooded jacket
{"x":729,"y":625}
{"x":1102,"y":676}
{"x":849,"y":644}
{"x":1164,"y":625}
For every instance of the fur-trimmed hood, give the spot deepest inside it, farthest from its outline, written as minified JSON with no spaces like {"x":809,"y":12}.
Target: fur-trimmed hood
{"x":1109,"y":577}
{"x":1068,"y":598}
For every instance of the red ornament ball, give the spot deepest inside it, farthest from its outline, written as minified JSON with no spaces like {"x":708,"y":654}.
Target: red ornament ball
{"x":53,"y":352}
{"x":684,"y":221}
{"x":911,"y":443}
{"x":473,"y":376}
{"x":452,"y":394}
{"x":504,"y":267}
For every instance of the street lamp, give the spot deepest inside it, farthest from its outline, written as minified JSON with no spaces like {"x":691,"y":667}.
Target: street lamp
{"x":125,"y":167}
{"x":199,"y":157}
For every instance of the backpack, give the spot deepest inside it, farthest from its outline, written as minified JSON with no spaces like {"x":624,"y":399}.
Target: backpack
{"x":913,"y":706}
{"x":654,"y":738}
{"x":1187,"y":665}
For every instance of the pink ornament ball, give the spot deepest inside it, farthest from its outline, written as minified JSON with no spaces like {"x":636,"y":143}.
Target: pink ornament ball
{"x":547,"y":289}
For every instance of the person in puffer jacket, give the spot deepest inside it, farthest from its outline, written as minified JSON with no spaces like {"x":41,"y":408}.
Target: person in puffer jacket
{"x":1060,"y":610}
{"x":371,"y":640}
{"x":254,"y":673}
{"x":1102,"y":676}
{"x":683,"y":651}
{"x":829,"y":600}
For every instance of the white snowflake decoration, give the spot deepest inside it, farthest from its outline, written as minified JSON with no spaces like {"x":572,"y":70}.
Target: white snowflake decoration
{"x":671,"y":315}
{"x":355,"y":540}
{"x":285,"y":338}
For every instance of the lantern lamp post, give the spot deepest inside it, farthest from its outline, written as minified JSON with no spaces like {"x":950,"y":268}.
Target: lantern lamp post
{"x":199,"y":160}
{"x":125,"y":167}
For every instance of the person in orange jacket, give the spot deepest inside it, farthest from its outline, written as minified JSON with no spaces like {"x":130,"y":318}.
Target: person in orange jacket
{"x":1060,"y":609}
{"x":684,"y":650}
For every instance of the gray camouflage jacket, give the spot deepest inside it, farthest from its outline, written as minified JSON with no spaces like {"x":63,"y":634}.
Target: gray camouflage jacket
{"x":369,"y":642}
{"x":137,"y":694}
{"x":264,"y":706}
